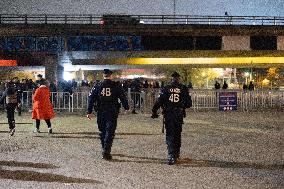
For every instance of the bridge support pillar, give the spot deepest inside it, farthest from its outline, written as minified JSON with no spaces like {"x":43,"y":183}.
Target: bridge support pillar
{"x":280,"y":43}
{"x":53,"y":71}
{"x":236,"y":43}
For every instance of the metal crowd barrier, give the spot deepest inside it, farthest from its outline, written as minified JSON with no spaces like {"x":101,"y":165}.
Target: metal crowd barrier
{"x":142,"y":102}
{"x":246,"y":100}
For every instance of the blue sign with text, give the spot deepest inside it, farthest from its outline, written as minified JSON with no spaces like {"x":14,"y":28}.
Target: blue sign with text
{"x":227,"y":101}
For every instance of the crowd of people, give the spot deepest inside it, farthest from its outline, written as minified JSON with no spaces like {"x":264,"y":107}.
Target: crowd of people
{"x":225,"y":86}
{"x":42,"y":106}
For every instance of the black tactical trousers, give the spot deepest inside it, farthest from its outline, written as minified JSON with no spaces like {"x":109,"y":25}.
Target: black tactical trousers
{"x":10,"y":107}
{"x":107,"y":122}
{"x":173,"y":125}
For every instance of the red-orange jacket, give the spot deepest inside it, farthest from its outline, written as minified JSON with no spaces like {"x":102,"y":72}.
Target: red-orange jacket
{"x":42,"y":107}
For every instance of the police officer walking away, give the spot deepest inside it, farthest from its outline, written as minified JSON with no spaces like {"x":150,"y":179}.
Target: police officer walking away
{"x":104,"y":96}
{"x":174,"y":98}
{"x":12,"y":101}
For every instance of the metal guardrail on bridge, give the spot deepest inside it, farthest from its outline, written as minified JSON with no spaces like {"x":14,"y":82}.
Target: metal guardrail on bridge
{"x":143,"y":101}
{"x":143,"y":19}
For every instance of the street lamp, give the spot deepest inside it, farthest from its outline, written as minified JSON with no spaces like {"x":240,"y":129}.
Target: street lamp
{"x":204,"y":75}
{"x":247,"y":75}
{"x":174,"y":7}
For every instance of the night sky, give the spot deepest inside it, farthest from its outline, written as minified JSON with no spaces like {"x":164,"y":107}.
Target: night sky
{"x":186,"y":7}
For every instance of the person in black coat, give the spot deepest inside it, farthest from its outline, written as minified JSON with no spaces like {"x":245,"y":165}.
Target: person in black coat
{"x":12,"y":101}
{"x":217,"y":85}
{"x":251,"y":86}
{"x":225,"y":85}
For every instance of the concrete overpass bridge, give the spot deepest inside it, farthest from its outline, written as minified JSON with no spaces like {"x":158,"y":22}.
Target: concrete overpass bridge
{"x":55,"y":41}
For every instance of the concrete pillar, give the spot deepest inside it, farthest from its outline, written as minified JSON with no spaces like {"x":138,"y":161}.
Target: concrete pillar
{"x":280,"y":43}
{"x":60,"y":72}
{"x":53,"y":71}
{"x":236,"y":43}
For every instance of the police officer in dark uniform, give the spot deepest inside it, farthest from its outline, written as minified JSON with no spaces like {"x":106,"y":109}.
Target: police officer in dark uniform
{"x":12,"y":101}
{"x":104,"y":97}
{"x":174,"y":98}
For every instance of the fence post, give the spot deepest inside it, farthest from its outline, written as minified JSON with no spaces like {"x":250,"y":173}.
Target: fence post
{"x":72,"y":100}
{"x":142,"y":101}
{"x":65,"y":19}
{"x":91,"y":19}
{"x":26,"y":19}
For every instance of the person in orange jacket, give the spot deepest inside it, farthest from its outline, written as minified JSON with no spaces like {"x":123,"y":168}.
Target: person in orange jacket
{"x":42,"y":107}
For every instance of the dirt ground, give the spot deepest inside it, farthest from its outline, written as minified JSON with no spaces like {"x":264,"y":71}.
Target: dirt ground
{"x":219,"y":150}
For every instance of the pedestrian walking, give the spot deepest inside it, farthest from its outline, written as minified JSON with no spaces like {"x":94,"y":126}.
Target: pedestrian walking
{"x":42,"y":107}
{"x":104,"y":98}
{"x":12,"y":101}
{"x":174,"y":98}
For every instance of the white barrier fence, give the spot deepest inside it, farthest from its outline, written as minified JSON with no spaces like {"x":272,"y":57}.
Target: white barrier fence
{"x":144,"y":101}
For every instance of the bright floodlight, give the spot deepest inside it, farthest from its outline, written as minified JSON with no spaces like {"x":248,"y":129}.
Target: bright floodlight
{"x":67,"y":76}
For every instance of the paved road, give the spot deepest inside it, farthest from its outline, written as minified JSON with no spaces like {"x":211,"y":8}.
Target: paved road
{"x":219,"y":150}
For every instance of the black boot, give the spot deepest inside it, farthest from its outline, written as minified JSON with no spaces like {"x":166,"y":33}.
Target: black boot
{"x":12,"y":126}
{"x":106,"y":156}
{"x":171,"y":161}
{"x":107,"y":149}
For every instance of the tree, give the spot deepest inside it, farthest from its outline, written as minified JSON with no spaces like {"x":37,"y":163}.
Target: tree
{"x":10,"y":73}
{"x":200,"y":77}
{"x":273,"y":76}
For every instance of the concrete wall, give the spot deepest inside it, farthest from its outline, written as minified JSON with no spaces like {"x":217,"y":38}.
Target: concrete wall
{"x":280,"y":43}
{"x":236,"y":43}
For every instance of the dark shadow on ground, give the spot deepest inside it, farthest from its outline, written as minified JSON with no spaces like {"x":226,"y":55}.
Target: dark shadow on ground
{"x":57,"y":136}
{"x":41,"y":177}
{"x":17,"y":123}
{"x":66,"y":136}
{"x":137,"y":134}
{"x":137,"y":159}
{"x":77,"y":133}
{"x":187,"y":162}
{"x":27,"y":164}
{"x":24,"y":175}
{"x":97,"y":133}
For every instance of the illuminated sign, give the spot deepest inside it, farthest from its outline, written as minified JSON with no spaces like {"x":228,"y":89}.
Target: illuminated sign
{"x":227,"y":101}
{"x":8,"y":62}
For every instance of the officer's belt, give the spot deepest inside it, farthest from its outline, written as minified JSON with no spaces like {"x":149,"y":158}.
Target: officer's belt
{"x":109,"y":103}
{"x":174,"y":108}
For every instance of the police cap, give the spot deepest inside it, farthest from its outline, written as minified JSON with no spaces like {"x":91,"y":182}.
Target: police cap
{"x":175,"y":74}
{"x":107,"y":72}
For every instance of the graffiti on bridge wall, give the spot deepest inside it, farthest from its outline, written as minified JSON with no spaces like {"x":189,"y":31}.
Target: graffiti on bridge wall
{"x":74,"y":43}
